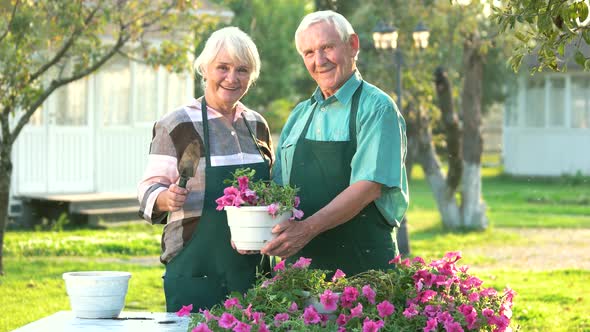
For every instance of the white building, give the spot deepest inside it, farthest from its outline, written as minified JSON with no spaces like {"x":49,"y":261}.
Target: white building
{"x":547,"y":124}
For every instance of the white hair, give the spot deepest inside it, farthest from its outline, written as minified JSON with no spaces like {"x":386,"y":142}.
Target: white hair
{"x":238,"y":45}
{"x":339,"y":22}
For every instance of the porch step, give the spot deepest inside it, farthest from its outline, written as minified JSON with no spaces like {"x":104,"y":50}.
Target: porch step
{"x":80,"y":208}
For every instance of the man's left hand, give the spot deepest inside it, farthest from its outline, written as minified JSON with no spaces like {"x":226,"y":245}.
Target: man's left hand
{"x":291,"y":237}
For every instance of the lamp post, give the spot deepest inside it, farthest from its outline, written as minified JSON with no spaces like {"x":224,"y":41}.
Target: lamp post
{"x":385,"y":38}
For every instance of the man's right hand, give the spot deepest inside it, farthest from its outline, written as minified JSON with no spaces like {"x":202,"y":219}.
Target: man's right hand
{"x":171,"y":199}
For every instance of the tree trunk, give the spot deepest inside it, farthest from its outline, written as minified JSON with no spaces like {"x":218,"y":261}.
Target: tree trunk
{"x":473,"y":207}
{"x":443,"y":194}
{"x":6,"y":171}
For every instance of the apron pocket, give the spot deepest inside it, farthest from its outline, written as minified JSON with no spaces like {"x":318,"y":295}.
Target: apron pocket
{"x":201,"y":292}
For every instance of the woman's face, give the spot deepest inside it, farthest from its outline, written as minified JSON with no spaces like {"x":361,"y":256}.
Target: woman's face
{"x":227,"y":82}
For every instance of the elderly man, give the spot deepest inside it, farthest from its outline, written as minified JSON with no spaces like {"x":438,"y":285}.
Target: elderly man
{"x":345,"y":149}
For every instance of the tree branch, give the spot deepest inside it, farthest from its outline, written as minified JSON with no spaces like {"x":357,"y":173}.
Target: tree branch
{"x":65,"y":47}
{"x":10,"y":21}
{"x":30,"y":110}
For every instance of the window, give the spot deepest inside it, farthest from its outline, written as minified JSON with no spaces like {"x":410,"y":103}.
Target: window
{"x":580,"y":113}
{"x":146,"y":83}
{"x":557,"y":102}
{"x":114,"y":90}
{"x":71,"y":104}
{"x":535,"y":102}
{"x":177,"y":91}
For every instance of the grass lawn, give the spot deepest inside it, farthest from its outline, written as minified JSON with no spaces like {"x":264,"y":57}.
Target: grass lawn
{"x":552,"y":300}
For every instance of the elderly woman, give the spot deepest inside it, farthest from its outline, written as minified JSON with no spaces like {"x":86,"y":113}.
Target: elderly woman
{"x":203,"y":142}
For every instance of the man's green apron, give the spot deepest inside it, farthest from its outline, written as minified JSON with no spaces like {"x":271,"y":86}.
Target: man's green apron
{"x":321,"y":169}
{"x":208,"y":268}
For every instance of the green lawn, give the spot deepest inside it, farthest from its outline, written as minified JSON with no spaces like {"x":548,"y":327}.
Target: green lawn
{"x":547,"y":300}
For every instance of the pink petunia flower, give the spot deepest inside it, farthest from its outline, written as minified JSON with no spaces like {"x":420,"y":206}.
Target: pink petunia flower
{"x":372,"y":326}
{"x":342,"y":319}
{"x":311,"y":316}
{"x":338,"y":275}
{"x":227,"y":321}
{"x":208,"y":315}
{"x":356,"y":311}
{"x":279,"y":267}
{"x":257,"y":317}
{"x":396,"y":260}
{"x":385,"y":309}
{"x":302,"y":263}
{"x":369,"y":293}
{"x":293,"y":307}
{"x":232,"y":302}
{"x":250,"y":196}
{"x":297,"y":214}
{"x":427,"y":295}
{"x":431,"y":325}
{"x":273,"y":209}
{"x":185,"y":310}
{"x":248,"y":311}
{"x":349,"y":295}
{"x":243,"y":183}
{"x":263,"y":328}
{"x":411,"y":311}
{"x":296,"y":202}
{"x":202,"y":327}
{"x":280,"y":318}
{"x":242,"y":327}
{"x":329,"y":300}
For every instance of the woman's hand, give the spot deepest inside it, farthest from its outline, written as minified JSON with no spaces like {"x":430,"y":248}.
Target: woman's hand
{"x":171,"y":199}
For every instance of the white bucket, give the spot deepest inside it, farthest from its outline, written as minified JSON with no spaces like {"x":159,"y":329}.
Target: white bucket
{"x":97,"y":294}
{"x":251,"y":226}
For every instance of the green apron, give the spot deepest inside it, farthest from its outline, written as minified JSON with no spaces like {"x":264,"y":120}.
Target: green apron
{"x":208,"y":268}
{"x":321,"y":169}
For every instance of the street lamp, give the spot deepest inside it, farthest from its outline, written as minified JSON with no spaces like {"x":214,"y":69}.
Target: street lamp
{"x":385,"y":38}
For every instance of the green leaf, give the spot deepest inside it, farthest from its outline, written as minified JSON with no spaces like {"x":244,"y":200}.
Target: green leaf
{"x":580,"y":58}
{"x":587,"y":65}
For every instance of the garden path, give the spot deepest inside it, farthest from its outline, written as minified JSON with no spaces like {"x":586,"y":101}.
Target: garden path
{"x":545,"y":249}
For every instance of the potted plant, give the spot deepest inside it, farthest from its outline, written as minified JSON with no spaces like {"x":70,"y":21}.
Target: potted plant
{"x":254,"y":207}
{"x":411,"y":296}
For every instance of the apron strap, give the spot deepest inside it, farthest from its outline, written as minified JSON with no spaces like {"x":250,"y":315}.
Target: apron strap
{"x":205,"y":120}
{"x":253,"y":137}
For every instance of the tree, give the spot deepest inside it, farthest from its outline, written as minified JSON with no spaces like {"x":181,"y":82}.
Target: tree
{"x":462,"y":44}
{"x":546,"y":28}
{"x":47,"y":44}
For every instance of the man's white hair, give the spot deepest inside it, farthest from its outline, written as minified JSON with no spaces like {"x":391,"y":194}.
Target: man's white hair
{"x":339,"y":22}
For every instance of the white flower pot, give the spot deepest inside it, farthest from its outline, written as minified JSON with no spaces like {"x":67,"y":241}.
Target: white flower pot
{"x":97,"y":294}
{"x":251,"y":226}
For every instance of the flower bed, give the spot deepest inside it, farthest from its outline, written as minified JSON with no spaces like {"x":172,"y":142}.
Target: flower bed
{"x":412,"y":296}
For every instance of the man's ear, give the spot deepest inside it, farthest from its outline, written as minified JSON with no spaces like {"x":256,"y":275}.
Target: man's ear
{"x":354,"y":43}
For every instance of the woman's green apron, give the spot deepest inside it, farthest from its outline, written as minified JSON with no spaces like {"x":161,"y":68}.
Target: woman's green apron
{"x":208,"y":268}
{"x":321,"y":169}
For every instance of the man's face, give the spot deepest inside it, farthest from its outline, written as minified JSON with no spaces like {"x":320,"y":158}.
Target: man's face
{"x":329,"y":60}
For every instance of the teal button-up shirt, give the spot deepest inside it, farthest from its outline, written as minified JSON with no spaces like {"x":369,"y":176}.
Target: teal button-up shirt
{"x":381,"y":140}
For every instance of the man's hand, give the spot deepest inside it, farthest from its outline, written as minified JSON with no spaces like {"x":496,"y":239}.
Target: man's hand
{"x":291,"y":237}
{"x":243,"y":252}
{"x":171,"y":199}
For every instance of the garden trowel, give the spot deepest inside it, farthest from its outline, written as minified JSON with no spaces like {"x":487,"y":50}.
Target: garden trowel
{"x":189,"y":162}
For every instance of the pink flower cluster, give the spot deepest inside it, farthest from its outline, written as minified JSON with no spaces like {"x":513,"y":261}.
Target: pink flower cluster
{"x":243,"y":194}
{"x":412,"y":296}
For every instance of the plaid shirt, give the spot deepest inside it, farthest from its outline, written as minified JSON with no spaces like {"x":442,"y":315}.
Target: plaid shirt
{"x":229,"y":145}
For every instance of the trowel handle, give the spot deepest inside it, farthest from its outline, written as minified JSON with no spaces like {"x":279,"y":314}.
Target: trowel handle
{"x":182,"y":182}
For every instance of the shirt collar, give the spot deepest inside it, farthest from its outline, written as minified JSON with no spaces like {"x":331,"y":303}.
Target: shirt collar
{"x":344,"y":94}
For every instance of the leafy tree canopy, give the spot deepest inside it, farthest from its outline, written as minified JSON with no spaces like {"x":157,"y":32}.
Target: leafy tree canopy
{"x":547,"y":29}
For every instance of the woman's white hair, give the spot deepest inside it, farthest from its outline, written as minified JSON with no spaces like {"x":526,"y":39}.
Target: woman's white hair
{"x":238,"y":45}
{"x":339,"y":22}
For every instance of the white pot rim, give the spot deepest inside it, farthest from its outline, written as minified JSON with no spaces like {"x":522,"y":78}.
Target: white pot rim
{"x":249,"y":208}
{"x":96,"y":275}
